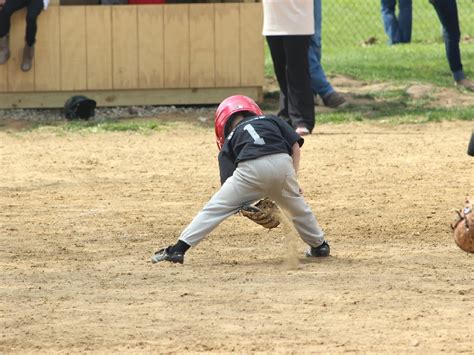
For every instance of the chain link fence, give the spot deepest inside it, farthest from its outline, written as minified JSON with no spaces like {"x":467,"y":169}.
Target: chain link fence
{"x":359,"y":22}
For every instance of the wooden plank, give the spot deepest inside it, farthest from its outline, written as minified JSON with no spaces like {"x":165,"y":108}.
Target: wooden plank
{"x":3,"y":77}
{"x":129,"y":97}
{"x":73,"y":47}
{"x":202,"y":38}
{"x":125,"y":47}
{"x":176,"y":46}
{"x":227,"y":44}
{"x":251,"y":45}
{"x":150,"y":47}
{"x":99,"y":47}
{"x":18,"y":80}
{"x":48,"y":56}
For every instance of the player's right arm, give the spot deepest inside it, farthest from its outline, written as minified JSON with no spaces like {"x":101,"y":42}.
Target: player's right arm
{"x":296,"y":159}
{"x":296,"y":156}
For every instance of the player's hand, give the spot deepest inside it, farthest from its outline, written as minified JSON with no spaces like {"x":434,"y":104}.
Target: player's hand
{"x":301,"y":190}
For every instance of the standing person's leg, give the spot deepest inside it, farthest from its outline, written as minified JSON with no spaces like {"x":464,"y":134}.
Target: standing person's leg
{"x":318,"y":28}
{"x":405,"y":19}
{"x":5,"y":14}
{"x":300,"y":95}
{"x":448,"y":15}
{"x":33,"y":10}
{"x":390,"y":21}
{"x":319,"y":82}
{"x":275,"y":44}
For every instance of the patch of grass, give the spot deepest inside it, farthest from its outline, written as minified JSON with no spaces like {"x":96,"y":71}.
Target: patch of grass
{"x":348,"y":23}
{"x":395,"y":113}
{"x":144,"y":126}
{"x":403,"y":63}
{"x":390,"y":95}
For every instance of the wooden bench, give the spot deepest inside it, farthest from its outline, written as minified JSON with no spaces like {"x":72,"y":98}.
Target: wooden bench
{"x":138,"y":55}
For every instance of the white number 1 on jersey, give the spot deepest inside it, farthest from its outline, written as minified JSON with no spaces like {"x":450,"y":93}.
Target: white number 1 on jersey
{"x":256,"y":138}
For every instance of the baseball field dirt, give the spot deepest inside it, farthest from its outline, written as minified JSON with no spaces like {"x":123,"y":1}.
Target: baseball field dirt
{"x":81,"y":214}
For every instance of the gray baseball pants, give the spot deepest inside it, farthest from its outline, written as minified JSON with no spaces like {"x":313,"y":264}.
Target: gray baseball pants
{"x":271,"y":176}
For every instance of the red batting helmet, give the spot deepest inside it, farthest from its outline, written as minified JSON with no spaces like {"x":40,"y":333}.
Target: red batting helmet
{"x":227,"y":108}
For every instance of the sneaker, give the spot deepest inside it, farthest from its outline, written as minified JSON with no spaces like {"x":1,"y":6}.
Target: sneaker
{"x":302,"y":131}
{"x":163,"y":255}
{"x":322,"y":250}
{"x":333,"y":100}
{"x":465,"y":84}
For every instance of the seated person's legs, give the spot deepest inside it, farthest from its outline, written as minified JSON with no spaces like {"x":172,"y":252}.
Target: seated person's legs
{"x":9,"y":7}
{"x":34,"y":9}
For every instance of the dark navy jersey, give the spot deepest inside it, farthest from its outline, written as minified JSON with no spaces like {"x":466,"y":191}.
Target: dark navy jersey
{"x":255,"y":137}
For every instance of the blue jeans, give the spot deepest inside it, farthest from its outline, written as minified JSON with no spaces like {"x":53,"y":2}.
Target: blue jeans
{"x":448,"y":15}
{"x":398,"y":29}
{"x":319,"y":83}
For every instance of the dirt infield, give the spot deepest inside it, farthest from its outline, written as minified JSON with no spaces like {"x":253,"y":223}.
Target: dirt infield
{"x":82,"y":213}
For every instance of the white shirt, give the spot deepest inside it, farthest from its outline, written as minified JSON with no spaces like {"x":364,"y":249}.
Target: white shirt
{"x":45,"y":4}
{"x":288,"y":17}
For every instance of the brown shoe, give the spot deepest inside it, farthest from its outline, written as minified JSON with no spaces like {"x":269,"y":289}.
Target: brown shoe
{"x":465,"y":84}
{"x":4,"y":49}
{"x":333,"y":100}
{"x":28,"y":54}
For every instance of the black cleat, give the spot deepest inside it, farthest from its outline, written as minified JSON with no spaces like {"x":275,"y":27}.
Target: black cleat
{"x":322,"y":250}
{"x":164,"y":255}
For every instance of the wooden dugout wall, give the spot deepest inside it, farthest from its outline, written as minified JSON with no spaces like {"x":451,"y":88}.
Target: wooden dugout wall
{"x":137,"y":55}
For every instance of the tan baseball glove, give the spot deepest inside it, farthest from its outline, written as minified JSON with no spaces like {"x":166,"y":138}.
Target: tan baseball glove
{"x":464,"y":228}
{"x":265,"y":212}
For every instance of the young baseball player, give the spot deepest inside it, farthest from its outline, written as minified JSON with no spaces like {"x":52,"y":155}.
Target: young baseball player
{"x":259,"y":157}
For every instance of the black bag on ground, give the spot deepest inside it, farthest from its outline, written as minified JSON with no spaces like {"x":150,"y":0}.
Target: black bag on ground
{"x":79,"y":107}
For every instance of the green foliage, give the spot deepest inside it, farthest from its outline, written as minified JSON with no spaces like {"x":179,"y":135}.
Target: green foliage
{"x":395,"y":113}
{"x":115,"y":126}
{"x":347,"y":27}
{"x":412,"y":62}
{"x":347,"y":24}
{"x":144,"y":126}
